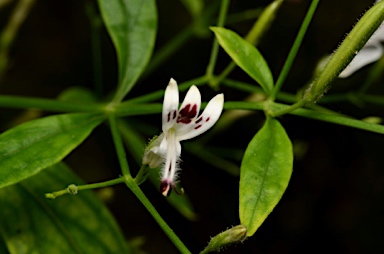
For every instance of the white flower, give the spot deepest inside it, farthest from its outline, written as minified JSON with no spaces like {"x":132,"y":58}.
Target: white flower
{"x":178,"y":125}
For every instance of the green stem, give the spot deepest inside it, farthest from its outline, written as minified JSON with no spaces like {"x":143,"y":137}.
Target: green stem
{"x":242,"y":86}
{"x":311,"y":114}
{"x":73,"y":189}
{"x":132,"y":185}
{"x":142,"y":175}
{"x":286,"y":110}
{"x":119,"y":146}
{"x":293,"y":52}
{"x":7,"y":101}
{"x":215,"y":44}
{"x":230,"y":67}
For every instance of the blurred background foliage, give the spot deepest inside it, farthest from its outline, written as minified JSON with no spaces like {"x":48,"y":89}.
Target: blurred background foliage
{"x":334,"y":199}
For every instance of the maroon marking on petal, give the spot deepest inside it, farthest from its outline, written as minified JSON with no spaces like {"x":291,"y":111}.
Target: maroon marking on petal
{"x":174,"y":114}
{"x":199,"y":120}
{"x":169,"y":116}
{"x":187,"y":113}
{"x":183,"y":120}
{"x":207,"y":119}
{"x":165,"y":188}
{"x":197,"y":127}
{"x":193,"y":111}
{"x":184,"y":111}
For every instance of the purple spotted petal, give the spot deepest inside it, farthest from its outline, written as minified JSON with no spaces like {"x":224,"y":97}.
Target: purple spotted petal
{"x":205,"y":121}
{"x":190,"y":106}
{"x":170,"y":105}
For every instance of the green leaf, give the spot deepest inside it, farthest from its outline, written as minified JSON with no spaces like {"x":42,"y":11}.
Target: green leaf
{"x":30,"y":147}
{"x":265,"y":173}
{"x":246,"y":56}
{"x":132,"y":25}
{"x":30,"y":223}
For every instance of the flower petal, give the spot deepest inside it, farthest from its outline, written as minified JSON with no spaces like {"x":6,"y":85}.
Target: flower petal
{"x":368,"y":54}
{"x":190,"y":106}
{"x":170,"y":105}
{"x":205,"y":121}
{"x":171,"y":166}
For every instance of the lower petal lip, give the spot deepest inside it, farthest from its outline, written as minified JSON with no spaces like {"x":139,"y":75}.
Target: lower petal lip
{"x":165,"y":188}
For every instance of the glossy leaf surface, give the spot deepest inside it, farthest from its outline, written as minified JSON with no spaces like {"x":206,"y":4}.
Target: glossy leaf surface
{"x":265,"y":172}
{"x":30,"y":223}
{"x":30,"y":147}
{"x":132,"y":25}
{"x":246,"y":56}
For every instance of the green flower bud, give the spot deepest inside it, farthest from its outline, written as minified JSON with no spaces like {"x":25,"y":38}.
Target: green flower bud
{"x":351,"y":45}
{"x":72,"y":189}
{"x":230,"y":236}
{"x":151,"y":155}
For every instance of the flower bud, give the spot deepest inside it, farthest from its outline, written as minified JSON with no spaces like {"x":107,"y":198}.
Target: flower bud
{"x":72,"y":189}
{"x":152,"y":157}
{"x":351,"y":45}
{"x":230,"y":236}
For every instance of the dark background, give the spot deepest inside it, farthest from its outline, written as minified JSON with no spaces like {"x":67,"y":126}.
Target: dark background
{"x":334,"y":202}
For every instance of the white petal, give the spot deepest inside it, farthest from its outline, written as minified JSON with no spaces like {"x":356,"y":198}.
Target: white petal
{"x":207,"y":119}
{"x":170,"y":105}
{"x":173,"y":153}
{"x":190,"y":107}
{"x":162,"y":148}
{"x":367,"y":55}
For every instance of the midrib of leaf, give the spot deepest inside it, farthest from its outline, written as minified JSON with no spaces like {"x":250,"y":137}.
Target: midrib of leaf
{"x":270,"y":152}
{"x":53,"y":217}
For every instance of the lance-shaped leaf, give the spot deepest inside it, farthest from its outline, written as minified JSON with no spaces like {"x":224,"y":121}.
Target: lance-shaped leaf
{"x":246,"y":56}
{"x":30,"y":147}
{"x":30,"y":223}
{"x":265,"y":173}
{"x":132,"y":26}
